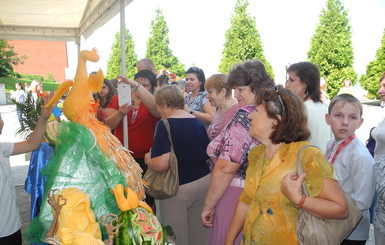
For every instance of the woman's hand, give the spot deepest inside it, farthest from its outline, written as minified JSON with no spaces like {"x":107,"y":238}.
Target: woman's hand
{"x":122,"y":79}
{"x":124,"y":109}
{"x":45,"y":113}
{"x":291,"y":186}
{"x":207,"y":217}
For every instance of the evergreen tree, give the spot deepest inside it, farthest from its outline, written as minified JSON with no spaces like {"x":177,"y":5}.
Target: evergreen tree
{"x":114,"y":64}
{"x":371,"y":80}
{"x":8,"y":57}
{"x":331,"y":47}
{"x":242,"y":41}
{"x":158,"y":47}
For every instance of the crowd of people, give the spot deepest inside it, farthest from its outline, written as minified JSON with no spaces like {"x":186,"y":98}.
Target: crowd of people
{"x":236,"y":138}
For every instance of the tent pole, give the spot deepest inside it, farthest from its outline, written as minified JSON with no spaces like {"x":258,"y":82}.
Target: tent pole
{"x":123,"y":62}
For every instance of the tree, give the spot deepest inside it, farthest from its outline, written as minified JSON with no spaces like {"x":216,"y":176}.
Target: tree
{"x":371,"y":80}
{"x":331,"y":47}
{"x":158,"y":47}
{"x":8,"y":57}
{"x":242,"y":41}
{"x":114,"y":64}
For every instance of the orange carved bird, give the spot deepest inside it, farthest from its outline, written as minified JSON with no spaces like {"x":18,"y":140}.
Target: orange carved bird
{"x":79,"y":106}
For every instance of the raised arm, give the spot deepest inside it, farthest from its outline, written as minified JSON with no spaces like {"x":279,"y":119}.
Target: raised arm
{"x":115,"y":116}
{"x":145,"y":96}
{"x":34,"y":140}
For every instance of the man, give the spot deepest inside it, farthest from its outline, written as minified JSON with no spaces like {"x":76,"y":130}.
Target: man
{"x":146,"y":64}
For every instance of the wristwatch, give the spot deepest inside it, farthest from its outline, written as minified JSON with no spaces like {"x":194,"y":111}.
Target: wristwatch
{"x":192,"y":111}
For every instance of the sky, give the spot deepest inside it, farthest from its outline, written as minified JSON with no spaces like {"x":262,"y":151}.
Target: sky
{"x":197,"y":30}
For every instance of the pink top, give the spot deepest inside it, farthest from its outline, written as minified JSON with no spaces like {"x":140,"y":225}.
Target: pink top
{"x":234,"y":142}
{"x":220,"y":121}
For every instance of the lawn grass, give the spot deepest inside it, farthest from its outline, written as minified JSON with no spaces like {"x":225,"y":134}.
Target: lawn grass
{"x":10,"y":84}
{"x":371,"y":102}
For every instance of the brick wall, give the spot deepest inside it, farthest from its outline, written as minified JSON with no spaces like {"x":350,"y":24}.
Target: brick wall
{"x":43,"y":57}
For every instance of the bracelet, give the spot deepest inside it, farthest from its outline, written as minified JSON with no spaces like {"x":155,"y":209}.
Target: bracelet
{"x":301,"y":202}
{"x":138,"y":84}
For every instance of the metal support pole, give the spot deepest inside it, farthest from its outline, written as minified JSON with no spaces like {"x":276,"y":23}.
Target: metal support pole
{"x":123,"y":62}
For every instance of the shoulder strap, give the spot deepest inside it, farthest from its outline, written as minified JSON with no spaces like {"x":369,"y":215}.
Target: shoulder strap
{"x":300,"y":166}
{"x":167,"y":125}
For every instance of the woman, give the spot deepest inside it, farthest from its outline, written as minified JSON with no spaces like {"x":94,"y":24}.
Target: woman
{"x":103,"y":97}
{"x":220,"y":97}
{"x":162,"y":80}
{"x":19,"y":96}
{"x":142,"y":117}
{"x":36,"y":88}
{"x":378,"y":133}
{"x":106,"y":93}
{"x":304,"y":81}
{"x":196,"y":101}
{"x":190,"y":140}
{"x":267,"y":206}
{"x":347,"y":88}
{"x":229,"y":151}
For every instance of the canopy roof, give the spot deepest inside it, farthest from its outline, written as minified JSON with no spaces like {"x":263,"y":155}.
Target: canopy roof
{"x":55,"y":20}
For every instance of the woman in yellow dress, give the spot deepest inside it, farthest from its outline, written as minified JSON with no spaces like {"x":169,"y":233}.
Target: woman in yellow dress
{"x":269,"y":203}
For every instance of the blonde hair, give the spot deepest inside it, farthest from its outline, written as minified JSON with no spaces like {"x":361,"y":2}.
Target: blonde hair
{"x":34,"y":85}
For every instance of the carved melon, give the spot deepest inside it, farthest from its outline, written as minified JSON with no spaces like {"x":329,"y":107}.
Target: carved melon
{"x":140,"y":227}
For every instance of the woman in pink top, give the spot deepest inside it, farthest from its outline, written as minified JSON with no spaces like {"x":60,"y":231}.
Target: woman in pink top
{"x":219,"y":96}
{"x":229,"y":151}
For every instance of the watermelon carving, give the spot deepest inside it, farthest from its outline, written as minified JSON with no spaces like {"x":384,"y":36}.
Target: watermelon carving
{"x":139,"y":227}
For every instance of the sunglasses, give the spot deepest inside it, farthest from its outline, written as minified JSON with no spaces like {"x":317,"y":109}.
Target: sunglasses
{"x":276,"y":88}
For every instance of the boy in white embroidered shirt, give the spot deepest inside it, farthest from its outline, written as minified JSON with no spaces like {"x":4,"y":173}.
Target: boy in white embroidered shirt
{"x":351,"y":160}
{"x":10,"y":222}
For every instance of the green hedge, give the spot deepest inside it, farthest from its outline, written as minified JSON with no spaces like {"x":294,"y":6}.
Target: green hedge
{"x":10,"y":83}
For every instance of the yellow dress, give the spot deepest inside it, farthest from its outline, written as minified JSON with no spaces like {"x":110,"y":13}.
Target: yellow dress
{"x":271,"y":217}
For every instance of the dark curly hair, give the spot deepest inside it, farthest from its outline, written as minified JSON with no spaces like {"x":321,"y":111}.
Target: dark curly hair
{"x":250,"y":73}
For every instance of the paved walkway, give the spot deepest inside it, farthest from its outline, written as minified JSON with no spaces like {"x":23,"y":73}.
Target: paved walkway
{"x":372,"y":115}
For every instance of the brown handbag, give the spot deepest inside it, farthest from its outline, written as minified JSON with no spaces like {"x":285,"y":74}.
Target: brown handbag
{"x":162,"y":185}
{"x":315,"y":231}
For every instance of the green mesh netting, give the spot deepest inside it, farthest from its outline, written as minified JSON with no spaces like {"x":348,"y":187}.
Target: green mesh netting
{"x":78,"y":162}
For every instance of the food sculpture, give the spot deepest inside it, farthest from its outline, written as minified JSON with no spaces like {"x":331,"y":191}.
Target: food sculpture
{"x":74,"y":222}
{"x":86,"y":156}
{"x":138,"y":223}
{"x":80,"y":107}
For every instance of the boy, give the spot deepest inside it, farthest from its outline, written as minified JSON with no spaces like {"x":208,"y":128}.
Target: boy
{"x":351,"y":160}
{"x":10,"y":222}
